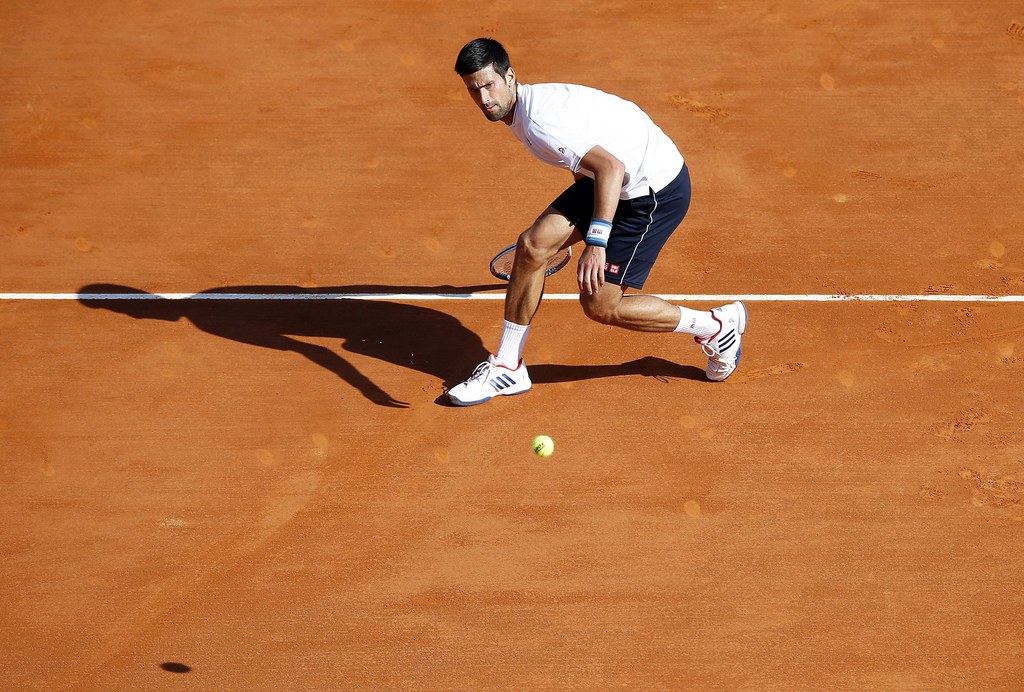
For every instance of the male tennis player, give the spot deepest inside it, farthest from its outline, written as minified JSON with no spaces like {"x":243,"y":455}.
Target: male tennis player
{"x":632,"y":190}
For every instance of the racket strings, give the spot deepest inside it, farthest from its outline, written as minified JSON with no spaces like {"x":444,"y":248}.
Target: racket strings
{"x":501,"y":266}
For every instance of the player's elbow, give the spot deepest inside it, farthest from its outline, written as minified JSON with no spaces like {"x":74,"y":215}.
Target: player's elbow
{"x":610,"y":168}
{"x":603,"y":164}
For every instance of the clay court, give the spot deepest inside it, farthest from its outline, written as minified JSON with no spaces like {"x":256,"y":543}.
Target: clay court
{"x":246,"y":477}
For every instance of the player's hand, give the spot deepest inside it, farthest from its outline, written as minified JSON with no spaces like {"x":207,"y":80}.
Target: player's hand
{"x":590,"y":271}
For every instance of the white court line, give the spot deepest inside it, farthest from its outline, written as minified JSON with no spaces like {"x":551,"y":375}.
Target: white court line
{"x":674,"y":297}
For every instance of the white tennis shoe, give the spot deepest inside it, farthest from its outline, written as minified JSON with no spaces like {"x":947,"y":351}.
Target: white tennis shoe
{"x":723,"y":349}
{"x":489,"y":380}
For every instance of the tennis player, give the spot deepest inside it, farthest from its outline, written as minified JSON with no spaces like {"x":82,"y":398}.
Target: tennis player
{"x":632,"y":190}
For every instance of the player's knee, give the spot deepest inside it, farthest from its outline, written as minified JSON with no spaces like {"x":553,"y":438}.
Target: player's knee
{"x":533,"y":253}
{"x":528,"y":250}
{"x":598,"y":309}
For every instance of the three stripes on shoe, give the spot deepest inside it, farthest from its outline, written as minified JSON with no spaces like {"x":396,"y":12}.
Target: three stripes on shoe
{"x":502,"y":382}
{"x":726,"y":342}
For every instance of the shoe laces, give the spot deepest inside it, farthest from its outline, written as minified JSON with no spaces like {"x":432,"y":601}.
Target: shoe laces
{"x":709,"y":350}
{"x":481,"y":372}
{"x":715,"y":365}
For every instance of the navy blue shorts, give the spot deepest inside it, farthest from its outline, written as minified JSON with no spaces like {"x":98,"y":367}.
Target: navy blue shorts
{"x":639,"y":230}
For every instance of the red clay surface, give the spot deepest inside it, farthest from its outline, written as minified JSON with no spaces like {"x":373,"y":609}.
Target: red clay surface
{"x":267,"y":494}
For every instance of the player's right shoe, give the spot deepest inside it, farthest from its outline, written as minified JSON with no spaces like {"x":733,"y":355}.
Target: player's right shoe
{"x":723,"y":349}
{"x":489,"y":380}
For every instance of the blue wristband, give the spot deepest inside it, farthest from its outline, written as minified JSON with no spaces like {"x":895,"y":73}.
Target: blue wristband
{"x":599,"y":232}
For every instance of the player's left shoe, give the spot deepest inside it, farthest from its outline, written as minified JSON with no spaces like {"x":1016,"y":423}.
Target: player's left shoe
{"x":489,"y":380}
{"x":724,"y":348}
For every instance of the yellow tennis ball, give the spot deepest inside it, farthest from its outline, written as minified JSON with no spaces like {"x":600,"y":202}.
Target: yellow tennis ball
{"x":543,"y":446}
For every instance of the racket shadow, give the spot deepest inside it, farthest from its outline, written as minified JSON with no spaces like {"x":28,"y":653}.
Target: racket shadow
{"x":649,"y":366}
{"x":410,"y":336}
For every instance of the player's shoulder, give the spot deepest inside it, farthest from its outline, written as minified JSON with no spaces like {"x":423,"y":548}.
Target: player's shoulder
{"x":555,"y":100}
{"x":560,"y":91}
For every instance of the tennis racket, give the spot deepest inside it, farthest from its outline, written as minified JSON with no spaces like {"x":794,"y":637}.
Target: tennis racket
{"x":501,"y":265}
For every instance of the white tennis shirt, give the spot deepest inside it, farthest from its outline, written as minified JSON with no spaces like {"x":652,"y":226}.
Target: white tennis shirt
{"x":560,"y":123}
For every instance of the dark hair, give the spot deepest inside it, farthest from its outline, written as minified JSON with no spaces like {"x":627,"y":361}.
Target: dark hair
{"x":478,"y":54}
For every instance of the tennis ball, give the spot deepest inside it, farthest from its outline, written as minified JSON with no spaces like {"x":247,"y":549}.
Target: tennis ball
{"x":543,"y":446}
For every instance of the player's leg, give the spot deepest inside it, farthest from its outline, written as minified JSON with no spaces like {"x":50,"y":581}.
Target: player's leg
{"x":505,"y":373}
{"x":718,"y":331}
{"x":536,"y":245}
{"x":638,"y":312}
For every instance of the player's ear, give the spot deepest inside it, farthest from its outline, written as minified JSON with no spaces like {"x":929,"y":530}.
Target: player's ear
{"x":510,"y":76}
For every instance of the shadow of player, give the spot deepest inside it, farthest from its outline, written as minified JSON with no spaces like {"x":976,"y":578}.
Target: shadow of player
{"x":648,"y":366}
{"x":410,"y":336}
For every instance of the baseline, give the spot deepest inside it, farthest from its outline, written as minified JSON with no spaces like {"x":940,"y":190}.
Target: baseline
{"x":674,"y":297}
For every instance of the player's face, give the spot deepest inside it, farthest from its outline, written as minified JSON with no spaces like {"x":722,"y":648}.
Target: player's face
{"x":493,"y":93}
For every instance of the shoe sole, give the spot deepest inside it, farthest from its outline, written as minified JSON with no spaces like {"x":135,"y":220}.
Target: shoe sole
{"x":482,"y":401}
{"x":743,"y":316}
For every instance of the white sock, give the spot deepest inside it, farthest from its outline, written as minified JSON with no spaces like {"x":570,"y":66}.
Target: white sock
{"x":513,"y":338}
{"x":700,"y":323}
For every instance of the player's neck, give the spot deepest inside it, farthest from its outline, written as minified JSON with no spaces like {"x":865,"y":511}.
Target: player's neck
{"x":511,"y":115}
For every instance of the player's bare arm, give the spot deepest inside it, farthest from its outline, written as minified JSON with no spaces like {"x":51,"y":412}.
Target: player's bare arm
{"x":608,"y":172}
